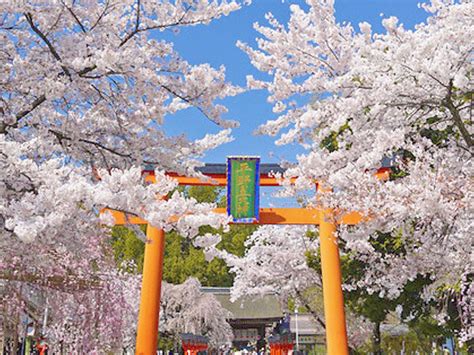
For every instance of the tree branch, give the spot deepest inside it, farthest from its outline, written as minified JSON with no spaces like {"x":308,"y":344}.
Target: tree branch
{"x":308,"y":307}
{"x":86,"y":70}
{"x":106,"y":7}
{"x":34,"y":105}
{"x":4,"y":126}
{"x":137,"y":22}
{"x":62,"y":137}
{"x":135,"y":31}
{"x":29,"y":19}
{"x":332,"y":71}
{"x":448,"y":103}
{"x":177,"y":23}
{"x":187,"y":100}
{"x":75,"y":17}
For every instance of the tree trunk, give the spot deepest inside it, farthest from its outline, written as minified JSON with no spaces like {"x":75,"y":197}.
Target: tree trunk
{"x":376,"y":340}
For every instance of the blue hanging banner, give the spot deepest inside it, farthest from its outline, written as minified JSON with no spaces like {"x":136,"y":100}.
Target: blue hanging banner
{"x":243,"y":188}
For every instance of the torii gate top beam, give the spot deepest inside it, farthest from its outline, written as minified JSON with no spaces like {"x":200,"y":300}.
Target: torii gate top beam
{"x":218,"y":177}
{"x":217,"y":174}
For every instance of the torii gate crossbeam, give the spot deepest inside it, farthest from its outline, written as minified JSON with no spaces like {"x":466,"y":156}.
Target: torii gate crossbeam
{"x":336,"y":334}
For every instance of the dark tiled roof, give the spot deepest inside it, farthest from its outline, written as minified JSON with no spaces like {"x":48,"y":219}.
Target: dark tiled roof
{"x":307,"y":325}
{"x":264,"y":307}
{"x":218,"y":168}
{"x":211,"y":168}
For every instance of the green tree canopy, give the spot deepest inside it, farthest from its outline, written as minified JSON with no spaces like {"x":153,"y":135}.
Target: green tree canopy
{"x":182,"y":259}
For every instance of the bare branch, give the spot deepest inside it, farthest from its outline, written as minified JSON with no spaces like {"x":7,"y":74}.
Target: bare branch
{"x":331,"y":71}
{"x":332,"y":51}
{"x":187,"y":100}
{"x":62,"y":137}
{"x":315,"y":315}
{"x":137,"y":22}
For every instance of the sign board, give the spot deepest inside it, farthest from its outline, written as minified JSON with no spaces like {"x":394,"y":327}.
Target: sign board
{"x":243,"y":182}
{"x":249,"y":334}
{"x":307,"y":339}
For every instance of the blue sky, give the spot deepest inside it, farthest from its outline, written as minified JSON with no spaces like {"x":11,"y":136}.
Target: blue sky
{"x":215,"y":44}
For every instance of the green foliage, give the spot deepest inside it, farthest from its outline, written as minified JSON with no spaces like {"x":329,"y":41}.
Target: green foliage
{"x":206,"y":194}
{"x":182,"y":260}
{"x":427,"y":327}
{"x":165,"y":341}
{"x":318,"y":349}
{"x":330,"y":142}
{"x":128,"y":248}
{"x":396,"y":172}
{"x":233,"y":241}
{"x":439,"y":136}
{"x":313,"y":259}
{"x":376,"y":308}
{"x":388,"y":243}
{"x":411,"y":342}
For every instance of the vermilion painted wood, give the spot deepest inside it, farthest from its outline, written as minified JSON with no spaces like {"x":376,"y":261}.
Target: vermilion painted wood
{"x":214,"y":180}
{"x":221,"y":179}
{"x":292,"y":216}
{"x":148,"y":317}
{"x":333,"y":298}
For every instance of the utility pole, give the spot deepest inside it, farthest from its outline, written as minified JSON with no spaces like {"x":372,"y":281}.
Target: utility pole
{"x":296,"y":329}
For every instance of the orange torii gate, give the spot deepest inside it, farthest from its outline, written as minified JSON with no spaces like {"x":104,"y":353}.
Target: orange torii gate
{"x":193,"y":344}
{"x":281,"y":344}
{"x":336,"y":335}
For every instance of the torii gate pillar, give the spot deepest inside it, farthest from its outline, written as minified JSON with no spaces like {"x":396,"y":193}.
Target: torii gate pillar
{"x":336,"y":335}
{"x":148,"y":317}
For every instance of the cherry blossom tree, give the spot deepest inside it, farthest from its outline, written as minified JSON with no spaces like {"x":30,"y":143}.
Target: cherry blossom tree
{"x":99,"y":318}
{"x":187,"y":309}
{"x":102,"y":315}
{"x":85,"y":89}
{"x":276,"y":262}
{"x":86,"y":314}
{"x":355,"y":99}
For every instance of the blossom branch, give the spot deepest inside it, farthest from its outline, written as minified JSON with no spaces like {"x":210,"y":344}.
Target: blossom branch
{"x":29,"y":19}
{"x":78,"y":21}
{"x":448,"y":103}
